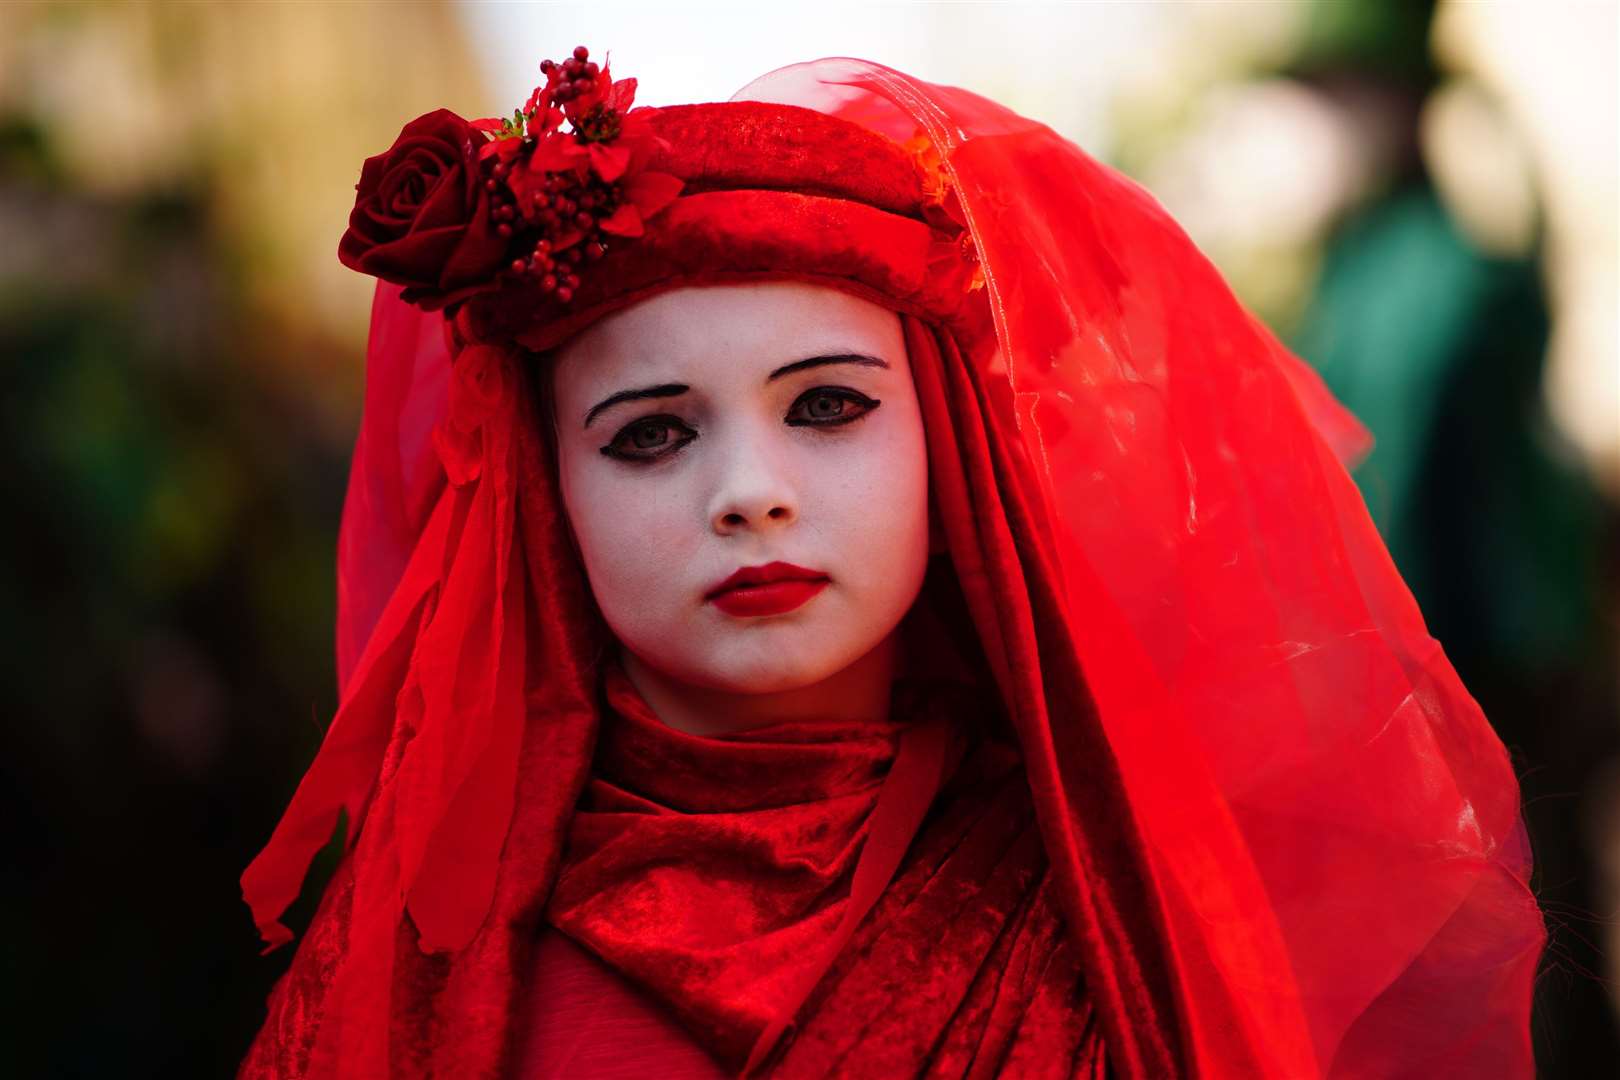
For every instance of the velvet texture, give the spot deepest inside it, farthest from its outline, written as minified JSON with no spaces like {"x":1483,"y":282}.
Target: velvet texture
{"x":593,"y":1022}
{"x":1275,"y":835}
{"x":714,"y":872}
{"x":770,"y":191}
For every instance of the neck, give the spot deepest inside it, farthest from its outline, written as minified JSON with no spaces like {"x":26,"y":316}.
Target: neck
{"x":859,"y":692}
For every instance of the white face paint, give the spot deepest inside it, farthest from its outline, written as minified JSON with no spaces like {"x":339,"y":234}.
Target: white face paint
{"x":781,"y":425}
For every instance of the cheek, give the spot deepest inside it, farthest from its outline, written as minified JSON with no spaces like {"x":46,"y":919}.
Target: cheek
{"x":629,"y":533}
{"x":879,"y":502}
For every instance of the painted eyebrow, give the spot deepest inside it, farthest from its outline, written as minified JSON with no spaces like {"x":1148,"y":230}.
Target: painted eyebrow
{"x":663,"y":390}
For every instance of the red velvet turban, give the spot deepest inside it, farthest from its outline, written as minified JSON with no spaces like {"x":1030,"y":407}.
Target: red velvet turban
{"x":1285,"y":840}
{"x":771,"y":191}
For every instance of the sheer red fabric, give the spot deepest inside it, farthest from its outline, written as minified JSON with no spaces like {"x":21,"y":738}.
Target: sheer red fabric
{"x":1281,"y":839}
{"x":1333,"y":825}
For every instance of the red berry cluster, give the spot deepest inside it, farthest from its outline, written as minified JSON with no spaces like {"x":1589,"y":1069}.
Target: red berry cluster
{"x":578,"y":75}
{"x":564,"y":202}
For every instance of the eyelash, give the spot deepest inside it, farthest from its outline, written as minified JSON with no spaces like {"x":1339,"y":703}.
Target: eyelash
{"x":614,"y":449}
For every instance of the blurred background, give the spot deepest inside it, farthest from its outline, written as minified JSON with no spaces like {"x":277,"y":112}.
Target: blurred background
{"x":1421,"y":198}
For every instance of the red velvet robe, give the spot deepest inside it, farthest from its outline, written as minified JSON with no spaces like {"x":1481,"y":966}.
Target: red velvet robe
{"x":706,"y":871}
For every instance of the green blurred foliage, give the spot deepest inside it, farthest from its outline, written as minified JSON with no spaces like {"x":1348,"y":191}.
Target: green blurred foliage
{"x":1389,"y":38}
{"x":1438,"y":349}
{"x":166,"y":618}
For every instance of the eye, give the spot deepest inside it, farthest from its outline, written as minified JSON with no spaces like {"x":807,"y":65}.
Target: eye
{"x":649,"y":438}
{"x":828,"y":406}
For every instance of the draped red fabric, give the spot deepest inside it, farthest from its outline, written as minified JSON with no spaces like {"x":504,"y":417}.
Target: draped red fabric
{"x":711,"y":872}
{"x":591,"y":1021}
{"x":1324,"y":806}
{"x":1258,"y":820}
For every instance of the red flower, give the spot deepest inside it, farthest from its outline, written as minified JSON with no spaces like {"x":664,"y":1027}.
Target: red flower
{"x":607,"y":139}
{"x":614,"y":96}
{"x":644,"y":195}
{"x":421,"y":216}
{"x":454,"y":208}
{"x":942,"y":209}
{"x":952,"y":255}
{"x":604,"y":138}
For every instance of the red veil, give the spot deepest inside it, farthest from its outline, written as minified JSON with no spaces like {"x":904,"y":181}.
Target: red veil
{"x":1286,"y":839}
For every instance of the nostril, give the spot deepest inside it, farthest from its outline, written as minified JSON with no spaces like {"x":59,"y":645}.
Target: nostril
{"x":736,"y":519}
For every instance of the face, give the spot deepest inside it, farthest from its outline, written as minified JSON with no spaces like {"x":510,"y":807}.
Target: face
{"x":710,"y":430}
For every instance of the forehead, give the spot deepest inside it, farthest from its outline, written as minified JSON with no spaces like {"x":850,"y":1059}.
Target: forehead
{"x":722,"y":329}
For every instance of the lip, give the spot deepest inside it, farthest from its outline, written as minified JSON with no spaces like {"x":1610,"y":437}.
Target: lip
{"x":771,"y":589}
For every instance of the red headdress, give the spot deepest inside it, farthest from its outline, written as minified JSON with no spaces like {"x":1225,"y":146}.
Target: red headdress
{"x":1285,"y":841}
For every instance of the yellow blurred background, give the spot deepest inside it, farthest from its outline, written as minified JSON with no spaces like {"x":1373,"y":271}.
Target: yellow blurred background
{"x":1421,"y":198}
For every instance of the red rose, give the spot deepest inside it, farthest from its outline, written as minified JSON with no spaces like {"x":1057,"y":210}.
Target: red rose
{"x":421,"y":218}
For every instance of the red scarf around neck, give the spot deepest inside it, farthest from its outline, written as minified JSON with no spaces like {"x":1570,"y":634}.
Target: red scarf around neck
{"x":716,"y":873}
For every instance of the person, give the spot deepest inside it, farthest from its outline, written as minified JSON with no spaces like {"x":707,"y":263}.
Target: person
{"x":833,"y":583}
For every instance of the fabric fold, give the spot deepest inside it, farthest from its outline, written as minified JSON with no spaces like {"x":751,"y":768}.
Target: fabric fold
{"x":752,"y":914}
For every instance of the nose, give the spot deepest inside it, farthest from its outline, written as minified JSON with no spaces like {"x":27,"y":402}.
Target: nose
{"x":754,"y":489}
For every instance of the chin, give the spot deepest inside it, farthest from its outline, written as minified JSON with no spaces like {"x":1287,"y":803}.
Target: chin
{"x":768,"y":674}
{"x":767,"y":664}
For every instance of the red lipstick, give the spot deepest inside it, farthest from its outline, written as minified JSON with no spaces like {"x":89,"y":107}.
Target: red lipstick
{"x":771,"y":589}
